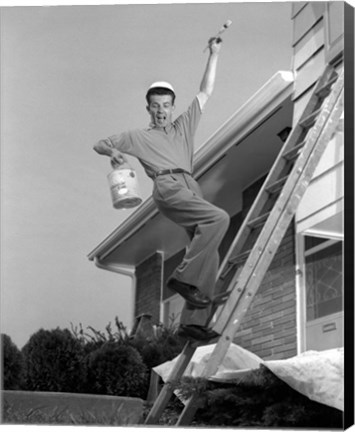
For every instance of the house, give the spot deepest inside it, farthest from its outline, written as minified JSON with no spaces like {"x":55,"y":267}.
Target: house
{"x":299,"y":305}
{"x":318,"y":39}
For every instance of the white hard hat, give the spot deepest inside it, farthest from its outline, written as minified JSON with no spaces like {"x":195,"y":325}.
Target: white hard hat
{"x":162,"y":84}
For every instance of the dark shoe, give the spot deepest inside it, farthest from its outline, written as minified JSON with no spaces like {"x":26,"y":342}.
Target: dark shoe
{"x":190,"y":293}
{"x":196,"y":332}
{"x":217,"y":300}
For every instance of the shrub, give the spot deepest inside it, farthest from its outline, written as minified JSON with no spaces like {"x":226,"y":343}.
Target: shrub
{"x":163,"y":347}
{"x":96,"y":338}
{"x":12,"y":364}
{"x":53,"y":361}
{"x":116,"y":369}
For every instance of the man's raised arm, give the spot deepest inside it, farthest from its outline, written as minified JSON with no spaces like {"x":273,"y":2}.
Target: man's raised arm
{"x":209,"y":76}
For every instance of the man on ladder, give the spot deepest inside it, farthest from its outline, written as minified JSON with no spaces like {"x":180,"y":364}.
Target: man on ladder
{"x":165,"y":149}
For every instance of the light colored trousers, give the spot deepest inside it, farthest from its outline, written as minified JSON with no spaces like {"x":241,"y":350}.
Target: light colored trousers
{"x":179,"y":198}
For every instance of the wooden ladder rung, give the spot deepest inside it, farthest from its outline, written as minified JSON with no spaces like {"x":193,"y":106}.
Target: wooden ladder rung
{"x":277,"y":185}
{"x":309,"y":120}
{"x":241,"y":257}
{"x":260,"y":220}
{"x":294,"y":152}
{"x":233,"y":262}
{"x":326,"y":88}
{"x":228,"y":267}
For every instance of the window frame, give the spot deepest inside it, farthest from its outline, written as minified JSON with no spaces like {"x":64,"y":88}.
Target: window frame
{"x":301,"y":305}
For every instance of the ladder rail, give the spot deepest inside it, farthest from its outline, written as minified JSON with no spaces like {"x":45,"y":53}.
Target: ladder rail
{"x":168,"y":388}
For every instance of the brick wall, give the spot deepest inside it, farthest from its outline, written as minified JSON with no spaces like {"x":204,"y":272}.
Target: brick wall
{"x":269,"y":327}
{"x":148,"y":287}
{"x":169,"y":266}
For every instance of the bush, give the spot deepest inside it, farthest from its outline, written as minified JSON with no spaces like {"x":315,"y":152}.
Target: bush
{"x":116,"y":369}
{"x":92,"y":361}
{"x":53,"y":362}
{"x":12,"y":364}
{"x":163,"y":347}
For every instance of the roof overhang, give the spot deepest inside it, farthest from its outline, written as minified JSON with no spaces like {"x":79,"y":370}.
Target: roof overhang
{"x":240,"y":151}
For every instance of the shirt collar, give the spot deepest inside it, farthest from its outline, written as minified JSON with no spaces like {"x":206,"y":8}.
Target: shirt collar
{"x":166,"y":129}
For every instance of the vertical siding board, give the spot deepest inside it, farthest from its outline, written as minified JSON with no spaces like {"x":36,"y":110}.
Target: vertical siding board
{"x":309,"y":73}
{"x":306,"y":19}
{"x":309,"y":45}
{"x":309,"y":52}
{"x":297,"y":7}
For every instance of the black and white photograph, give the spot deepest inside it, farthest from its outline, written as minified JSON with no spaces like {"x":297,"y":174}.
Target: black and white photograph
{"x":177,"y":183}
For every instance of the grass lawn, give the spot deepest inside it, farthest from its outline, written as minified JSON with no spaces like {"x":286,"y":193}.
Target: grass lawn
{"x":20,"y":407}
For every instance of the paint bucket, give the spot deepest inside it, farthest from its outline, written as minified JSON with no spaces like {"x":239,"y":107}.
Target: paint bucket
{"x":124,"y":187}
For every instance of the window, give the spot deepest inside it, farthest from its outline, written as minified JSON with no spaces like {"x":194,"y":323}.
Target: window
{"x":323,"y":265}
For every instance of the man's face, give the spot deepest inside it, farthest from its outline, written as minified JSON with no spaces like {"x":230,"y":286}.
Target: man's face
{"x":161,"y":110}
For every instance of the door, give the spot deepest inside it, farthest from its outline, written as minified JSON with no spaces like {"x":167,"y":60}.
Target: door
{"x":323,"y":265}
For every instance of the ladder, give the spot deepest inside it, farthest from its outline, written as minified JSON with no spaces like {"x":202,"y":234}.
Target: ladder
{"x":262,"y":231}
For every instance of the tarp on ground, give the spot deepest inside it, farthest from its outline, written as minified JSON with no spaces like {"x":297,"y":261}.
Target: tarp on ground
{"x":319,"y":375}
{"x":236,"y":359}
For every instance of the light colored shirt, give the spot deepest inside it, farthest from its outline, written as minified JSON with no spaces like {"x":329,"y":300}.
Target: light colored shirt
{"x":166,"y":148}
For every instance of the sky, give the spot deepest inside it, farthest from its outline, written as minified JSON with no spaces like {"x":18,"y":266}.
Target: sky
{"x":72,"y":75}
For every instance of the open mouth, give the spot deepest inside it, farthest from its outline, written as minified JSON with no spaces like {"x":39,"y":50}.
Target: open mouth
{"x":161,"y":119}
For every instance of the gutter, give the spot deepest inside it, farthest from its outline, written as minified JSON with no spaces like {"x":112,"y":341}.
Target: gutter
{"x":234,"y":129}
{"x":123,"y":270}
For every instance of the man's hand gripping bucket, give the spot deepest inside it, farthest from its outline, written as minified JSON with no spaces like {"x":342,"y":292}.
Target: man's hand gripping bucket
{"x":124,"y":187}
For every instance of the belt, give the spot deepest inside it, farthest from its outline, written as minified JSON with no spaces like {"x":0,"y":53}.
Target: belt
{"x":170,"y":171}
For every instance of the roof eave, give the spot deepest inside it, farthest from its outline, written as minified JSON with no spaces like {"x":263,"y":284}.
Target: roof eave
{"x":279,"y":86}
